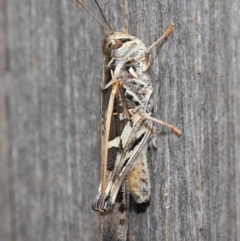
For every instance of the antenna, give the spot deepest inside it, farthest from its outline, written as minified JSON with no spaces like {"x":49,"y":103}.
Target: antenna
{"x":103,"y":15}
{"x":107,"y":28}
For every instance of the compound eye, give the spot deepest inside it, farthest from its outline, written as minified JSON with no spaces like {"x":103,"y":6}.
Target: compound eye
{"x":115,"y":44}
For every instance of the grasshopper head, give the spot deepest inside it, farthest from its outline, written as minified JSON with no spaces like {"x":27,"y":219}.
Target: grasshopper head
{"x":116,"y":41}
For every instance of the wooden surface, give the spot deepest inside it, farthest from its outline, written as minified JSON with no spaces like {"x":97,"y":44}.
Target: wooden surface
{"x":50,"y":77}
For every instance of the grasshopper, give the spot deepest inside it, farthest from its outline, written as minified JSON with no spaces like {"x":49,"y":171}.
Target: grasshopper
{"x":127,"y":125}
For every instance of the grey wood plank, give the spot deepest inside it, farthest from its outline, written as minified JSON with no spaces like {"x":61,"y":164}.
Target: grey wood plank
{"x":6,"y":178}
{"x":50,"y":119}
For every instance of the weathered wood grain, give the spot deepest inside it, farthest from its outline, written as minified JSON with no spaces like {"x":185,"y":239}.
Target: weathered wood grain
{"x":50,"y":66}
